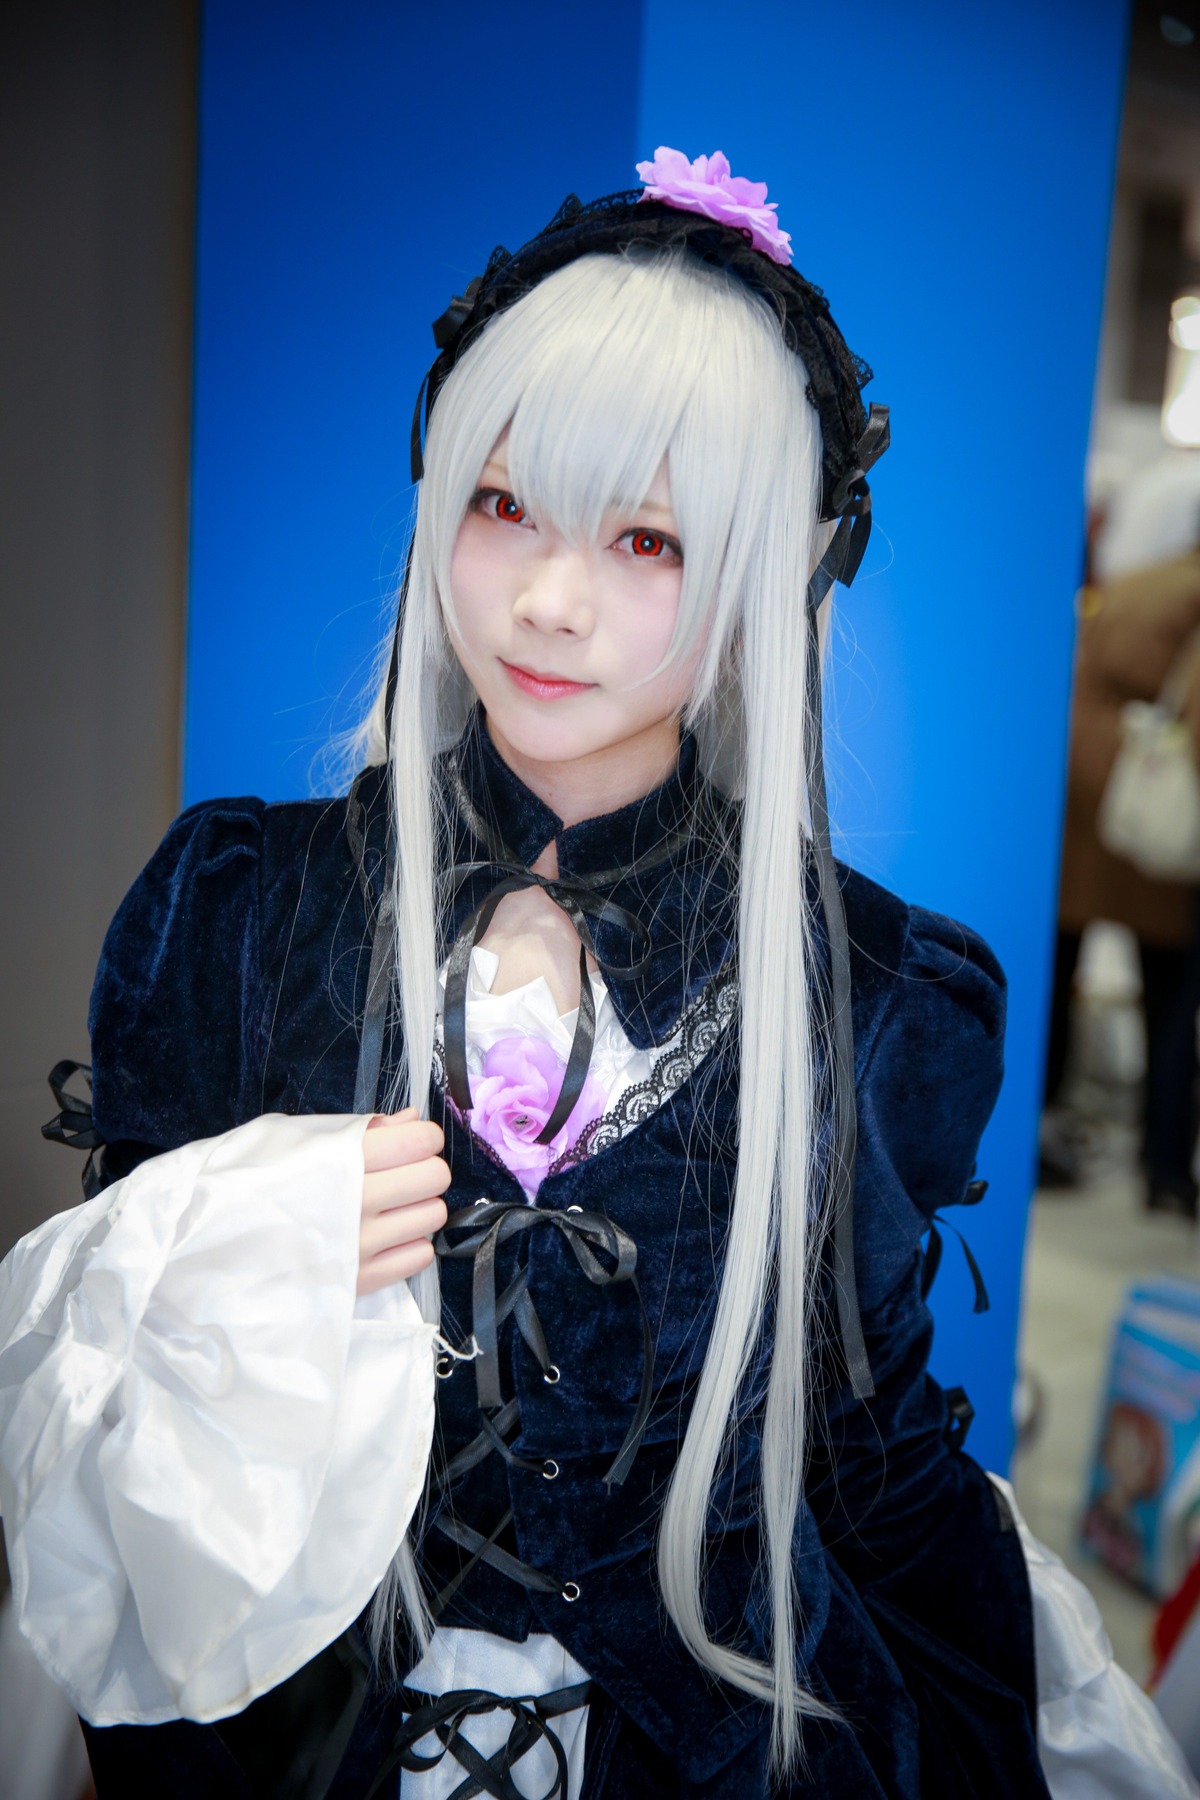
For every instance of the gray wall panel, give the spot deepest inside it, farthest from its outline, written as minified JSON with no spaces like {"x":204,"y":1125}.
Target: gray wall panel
{"x":97,"y":131}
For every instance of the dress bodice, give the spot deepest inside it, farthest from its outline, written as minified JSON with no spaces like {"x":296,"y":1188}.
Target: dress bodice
{"x":231,"y":984}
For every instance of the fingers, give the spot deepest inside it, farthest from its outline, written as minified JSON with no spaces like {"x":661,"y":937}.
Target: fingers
{"x":384,"y":1190}
{"x":407,"y":1112}
{"x":402,"y":1207}
{"x":404,"y":1225}
{"x":395,"y":1265}
{"x":390,"y":1143}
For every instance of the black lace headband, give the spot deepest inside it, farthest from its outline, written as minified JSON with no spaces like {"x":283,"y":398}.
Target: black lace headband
{"x":852,"y":438}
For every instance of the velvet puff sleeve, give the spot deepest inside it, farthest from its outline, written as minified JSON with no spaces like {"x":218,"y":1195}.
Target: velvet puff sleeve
{"x":908,"y":1519}
{"x":929,"y":1068}
{"x":176,"y":1011}
{"x":998,"y":1641}
{"x":210,"y":1449}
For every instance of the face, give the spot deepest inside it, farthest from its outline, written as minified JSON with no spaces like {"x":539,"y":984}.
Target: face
{"x":560,"y":640}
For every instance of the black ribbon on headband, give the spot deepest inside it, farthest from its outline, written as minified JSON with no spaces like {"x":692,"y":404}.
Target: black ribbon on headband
{"x":840,"y":562}
{"x":841,"y":1035}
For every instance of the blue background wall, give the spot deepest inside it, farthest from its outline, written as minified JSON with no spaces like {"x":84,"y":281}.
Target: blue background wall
{"x":945,"y":175}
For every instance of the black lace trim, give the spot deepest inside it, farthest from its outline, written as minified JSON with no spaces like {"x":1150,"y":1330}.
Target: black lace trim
{"x":699,"y":1029}
{"x":697,"y":1032}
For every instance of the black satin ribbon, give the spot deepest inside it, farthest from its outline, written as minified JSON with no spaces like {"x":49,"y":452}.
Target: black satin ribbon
{"x":73,"y":1124}
{"x":577,"y":899}
{"x":841,"y":1031}
{"x":379,"y":984}
{"x":490,"y":1439}
{"x":483,"y":1549}
{"x":382,"y":917}
{"x":933,"y":1262}
{"x":580,"y":898}
{"x":487,"y":1550}
{"x":587,"y":1233}
{"x":443,"y":1715}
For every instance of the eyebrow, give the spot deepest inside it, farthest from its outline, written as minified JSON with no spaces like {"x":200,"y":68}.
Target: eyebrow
{"x":656,"y":507}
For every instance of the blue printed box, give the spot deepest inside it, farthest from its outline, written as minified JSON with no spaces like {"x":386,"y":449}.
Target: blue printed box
{"x":1143,"y":1510}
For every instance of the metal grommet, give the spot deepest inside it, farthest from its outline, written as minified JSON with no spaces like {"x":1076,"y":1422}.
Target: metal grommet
{"x":577,"y":1209}
{"x":570,"y":1592}
{"x":549,"y":1469}
{"x":483,"y":1201}
{"x":552,"y":1376}
{"x":443,"y":1366}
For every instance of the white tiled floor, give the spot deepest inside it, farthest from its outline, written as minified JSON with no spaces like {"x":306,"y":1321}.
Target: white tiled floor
{"x":1086,"y":1246}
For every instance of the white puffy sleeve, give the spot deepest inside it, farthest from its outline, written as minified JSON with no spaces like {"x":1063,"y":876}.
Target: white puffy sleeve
{"x":209,"y":1449}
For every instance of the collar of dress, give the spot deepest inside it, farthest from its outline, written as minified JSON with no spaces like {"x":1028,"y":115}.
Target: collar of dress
{"x":658,"y":859}
{"x":613,"y":841}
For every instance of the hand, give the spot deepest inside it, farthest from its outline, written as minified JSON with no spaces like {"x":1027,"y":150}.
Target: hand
{"x":402,"y":1205}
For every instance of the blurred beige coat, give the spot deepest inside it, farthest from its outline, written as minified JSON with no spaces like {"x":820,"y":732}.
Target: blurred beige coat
{"x":1133,"y":633}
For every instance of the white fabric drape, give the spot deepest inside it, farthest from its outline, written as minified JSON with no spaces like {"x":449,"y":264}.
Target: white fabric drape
{"x":209,"y":1451}
{"x":1100,"y":1737}
{"x":1178,"y":1696}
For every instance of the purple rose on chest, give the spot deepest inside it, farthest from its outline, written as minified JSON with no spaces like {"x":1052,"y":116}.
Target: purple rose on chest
{"x":513,"y":1098}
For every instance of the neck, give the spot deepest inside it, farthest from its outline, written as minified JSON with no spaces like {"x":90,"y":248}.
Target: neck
{"x":587,"y":787}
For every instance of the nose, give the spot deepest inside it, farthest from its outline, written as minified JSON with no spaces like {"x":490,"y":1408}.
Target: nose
{"x":556,"y":595}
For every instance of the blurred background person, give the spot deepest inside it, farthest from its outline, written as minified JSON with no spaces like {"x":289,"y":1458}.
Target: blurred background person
{"x":1140,"y":629}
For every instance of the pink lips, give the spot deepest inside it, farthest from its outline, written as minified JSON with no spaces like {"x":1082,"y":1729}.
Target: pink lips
{"x":544,"y":687}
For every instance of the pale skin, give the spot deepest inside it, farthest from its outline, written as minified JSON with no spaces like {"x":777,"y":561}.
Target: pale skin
{"x":594,"y":729}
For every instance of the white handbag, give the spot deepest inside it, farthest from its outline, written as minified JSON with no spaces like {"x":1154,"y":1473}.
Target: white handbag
{"x":1150,"y":810}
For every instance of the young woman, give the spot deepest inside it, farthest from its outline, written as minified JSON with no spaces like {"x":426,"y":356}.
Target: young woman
{"x":623,"y":1473}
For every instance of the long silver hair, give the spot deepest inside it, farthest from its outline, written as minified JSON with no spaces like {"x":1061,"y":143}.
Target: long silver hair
{"x":598,"y":373}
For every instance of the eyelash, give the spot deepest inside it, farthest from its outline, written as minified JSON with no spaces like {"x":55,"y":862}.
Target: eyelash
{"x":672,"y":549}
{"x":481,"y":497}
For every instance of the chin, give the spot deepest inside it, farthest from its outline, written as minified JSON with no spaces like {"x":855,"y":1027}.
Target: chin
{"x":549,"y":739}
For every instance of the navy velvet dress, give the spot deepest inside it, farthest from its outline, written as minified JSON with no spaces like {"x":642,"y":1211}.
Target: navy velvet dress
{"x":233,"y":983}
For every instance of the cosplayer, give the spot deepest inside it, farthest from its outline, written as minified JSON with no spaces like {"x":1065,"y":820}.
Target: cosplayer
{"x":557,"y":1423}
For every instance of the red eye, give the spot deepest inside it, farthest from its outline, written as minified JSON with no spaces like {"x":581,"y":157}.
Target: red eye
{"x":509,"y":509}
{"x":647,"y":543}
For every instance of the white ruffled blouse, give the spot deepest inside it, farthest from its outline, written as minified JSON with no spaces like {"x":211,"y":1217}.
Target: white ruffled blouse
{"x":210,"y":1449}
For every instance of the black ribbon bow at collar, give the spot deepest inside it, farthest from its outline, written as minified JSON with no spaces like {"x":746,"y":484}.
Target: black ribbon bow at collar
{"x":581,"y":899}
{"x":577,"y":899}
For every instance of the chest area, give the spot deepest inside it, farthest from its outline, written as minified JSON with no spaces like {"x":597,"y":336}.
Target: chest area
{"x":618,"y":1254}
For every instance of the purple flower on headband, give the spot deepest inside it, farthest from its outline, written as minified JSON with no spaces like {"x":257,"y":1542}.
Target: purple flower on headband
{"x":706,"y":186}
{"x":515,"y":1096}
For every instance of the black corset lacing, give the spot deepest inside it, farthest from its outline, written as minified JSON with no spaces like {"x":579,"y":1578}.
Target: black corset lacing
{"x":487,"y":1225}
{"x":604,"y":1252}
